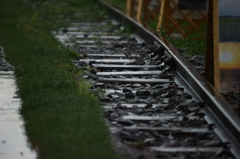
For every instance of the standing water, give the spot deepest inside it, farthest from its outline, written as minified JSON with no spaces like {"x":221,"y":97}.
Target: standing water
{"x":13,"y":142}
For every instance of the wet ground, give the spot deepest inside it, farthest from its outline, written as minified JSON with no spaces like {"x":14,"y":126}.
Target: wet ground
{"x":13,"y":142}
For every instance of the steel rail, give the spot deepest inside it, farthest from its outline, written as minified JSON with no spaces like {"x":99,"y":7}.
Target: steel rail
{"x":218,"y":111}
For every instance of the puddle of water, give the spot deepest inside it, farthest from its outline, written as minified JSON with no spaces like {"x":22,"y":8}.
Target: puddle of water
{"x":13,"y":142}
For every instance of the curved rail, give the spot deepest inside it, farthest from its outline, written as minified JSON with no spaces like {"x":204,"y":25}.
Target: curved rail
{"x":217,"y":109}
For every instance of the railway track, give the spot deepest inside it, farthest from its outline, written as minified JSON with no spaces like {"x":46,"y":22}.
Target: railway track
{"x":155,"y":102}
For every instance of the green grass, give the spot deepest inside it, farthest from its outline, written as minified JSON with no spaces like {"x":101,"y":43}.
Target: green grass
{"x":120,"y":4}
{"x":62,"y":119}
{"x":194,"y":44}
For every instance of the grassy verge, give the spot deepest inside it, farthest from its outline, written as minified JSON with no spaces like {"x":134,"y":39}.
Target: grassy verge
{"x":62,"y":119}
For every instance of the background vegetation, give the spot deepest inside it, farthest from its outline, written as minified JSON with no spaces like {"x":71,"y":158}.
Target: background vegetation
{"x":192,"y":45}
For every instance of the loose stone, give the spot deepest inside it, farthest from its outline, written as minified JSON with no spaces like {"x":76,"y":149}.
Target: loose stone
{"x":129,"y":95}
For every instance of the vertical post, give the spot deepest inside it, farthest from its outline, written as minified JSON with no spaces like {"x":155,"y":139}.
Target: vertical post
{"x":212,"y":50}
{"x":139,"y":11}
{"x":160,"y":18}
{"x":129,"y":8}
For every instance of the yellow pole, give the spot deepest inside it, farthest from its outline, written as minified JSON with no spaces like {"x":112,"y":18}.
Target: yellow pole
{"x":160,"y":18}
{"x":129,"y":8}
{"x":139,"y":11}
